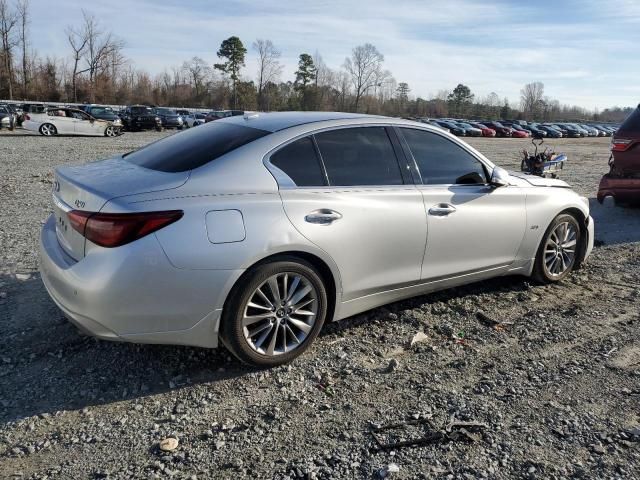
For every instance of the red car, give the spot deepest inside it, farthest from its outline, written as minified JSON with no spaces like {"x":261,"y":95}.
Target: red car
{"x":486,"y":131}
{"x":519,"y":132}
{"x":622,"y":183}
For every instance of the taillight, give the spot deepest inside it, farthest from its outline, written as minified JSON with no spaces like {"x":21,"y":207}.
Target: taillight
{"x":620,"y":144}
{"x":115,"y":229}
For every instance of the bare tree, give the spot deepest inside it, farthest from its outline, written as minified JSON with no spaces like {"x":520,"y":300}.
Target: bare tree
{"x":78,"y":40}
{"x":101,"y":47}
{"x":23,"y":14}
{"x":531,"y":97}
{"x":269,"y":68}
{"x":8,"y":20}
{"x":197,"y":70}
{"x":364,"y":68}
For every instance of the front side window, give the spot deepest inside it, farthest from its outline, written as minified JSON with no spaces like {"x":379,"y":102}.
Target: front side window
{"x":359,"y":156}
{"x":300,"y":162}
{"x":442,"y":162}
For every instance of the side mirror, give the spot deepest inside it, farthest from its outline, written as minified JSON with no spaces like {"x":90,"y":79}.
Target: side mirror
{"x":499,"y":177}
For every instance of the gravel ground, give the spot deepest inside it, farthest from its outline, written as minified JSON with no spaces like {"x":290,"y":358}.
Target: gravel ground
{"x":554,"y":386}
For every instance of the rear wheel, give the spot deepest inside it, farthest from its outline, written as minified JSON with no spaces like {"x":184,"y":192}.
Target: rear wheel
{"x":48,"y":130}
{"x":275,"y":313}
{"x":558,"y":250}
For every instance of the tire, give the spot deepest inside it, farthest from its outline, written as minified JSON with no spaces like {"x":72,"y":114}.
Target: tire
{"x":48,"y":130}
{"x":267,"y":337}
{"x":110,"y":131}
{"x":558,"y":250}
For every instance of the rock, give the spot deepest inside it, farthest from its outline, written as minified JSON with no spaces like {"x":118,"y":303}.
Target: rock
{"x":388,"y":470}
{"x":393,"y":365}
{"x":599,"y":449}
{"x":169,"y":444}
{"x":418,"y":338}
{"x":23,"y":276}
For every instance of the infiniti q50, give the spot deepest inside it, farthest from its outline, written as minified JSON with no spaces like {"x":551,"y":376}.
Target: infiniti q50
{"x":255,"y":230}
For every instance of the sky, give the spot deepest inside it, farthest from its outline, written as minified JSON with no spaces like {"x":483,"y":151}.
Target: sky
{"x":585,"y":52}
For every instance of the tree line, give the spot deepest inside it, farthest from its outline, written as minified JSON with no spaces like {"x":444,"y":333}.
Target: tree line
{"x":96,"y":70}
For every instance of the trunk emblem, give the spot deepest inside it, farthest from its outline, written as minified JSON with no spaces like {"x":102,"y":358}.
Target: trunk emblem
{"x":79,"y":203}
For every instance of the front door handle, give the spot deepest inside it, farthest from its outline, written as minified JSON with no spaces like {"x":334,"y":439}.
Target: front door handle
{"x":323,"y":216}
{"x":442,"y":210}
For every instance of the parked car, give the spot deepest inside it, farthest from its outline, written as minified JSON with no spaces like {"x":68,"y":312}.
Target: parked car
{"x":603,"y":131}
{"x":486,"y":131}
{"x":568,"y":131}
{"x":469,"y":130}
{"x":103,"y":113}
{"x":551,"y":132}
{"x":622,"y":183}
{"x":169,"y":118}
{"x":69,"y":121}
{"x":140,"y":117}
{"x":593,"y":132}
{"x":218,"y":114}
{"x":7,"y":118}
{"x":452,"y":127}
{"x":534,"y":131}
{"x":263,"y":272}
{"x":501,"y":130}
{"x":519,"y":132}
{"x":183,"y":113}
{"x":195,"y":119}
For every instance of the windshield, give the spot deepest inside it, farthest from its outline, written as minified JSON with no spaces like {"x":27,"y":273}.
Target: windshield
{"x":141,"y":110}
{"x":165,"y":111}
{"x":194,"y":148}
{"x":101,"y":111}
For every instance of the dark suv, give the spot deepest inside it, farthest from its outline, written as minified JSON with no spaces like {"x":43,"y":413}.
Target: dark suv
{"x":169,"y":118}
{"x":140,"y":117}
{"x":622,"y":183}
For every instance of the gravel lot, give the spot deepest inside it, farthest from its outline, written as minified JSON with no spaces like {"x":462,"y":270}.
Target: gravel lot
{"x":555,"y":386}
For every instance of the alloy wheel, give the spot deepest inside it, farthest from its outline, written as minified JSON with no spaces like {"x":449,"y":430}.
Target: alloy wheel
{"x":560,"y":249}
{"x":47,"y":130}
{"x":280,"y":314}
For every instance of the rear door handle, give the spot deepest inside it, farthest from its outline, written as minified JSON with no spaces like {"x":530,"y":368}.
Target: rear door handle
{"x":323,"y":216}
{"x":442,"y":210}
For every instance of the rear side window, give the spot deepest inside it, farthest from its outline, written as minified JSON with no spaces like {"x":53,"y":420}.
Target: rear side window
{"x":300,"y":162}
{"x":194,"y":147}
{"x":359,"y":156}
{"x":442,"y":162}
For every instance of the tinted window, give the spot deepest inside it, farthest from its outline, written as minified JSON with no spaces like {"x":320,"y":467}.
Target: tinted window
{"x":141,"y":111}
{"x":300,"y":162}
{"x":194,"y":147}
{"x":631,"y":126}
{"x":359,"y":156}
{"x":442,"y":162}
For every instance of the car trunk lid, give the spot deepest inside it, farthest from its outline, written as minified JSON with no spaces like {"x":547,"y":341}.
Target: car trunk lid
{"x":89,"y":187}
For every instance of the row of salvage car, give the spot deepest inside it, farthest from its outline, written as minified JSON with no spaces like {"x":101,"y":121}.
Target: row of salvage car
{"x":101,"y":120}
{"x":519,"y":128}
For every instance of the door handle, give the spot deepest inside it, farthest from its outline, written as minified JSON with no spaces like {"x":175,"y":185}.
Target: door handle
{"x":323,"y":216}
{"x":442,"y":210}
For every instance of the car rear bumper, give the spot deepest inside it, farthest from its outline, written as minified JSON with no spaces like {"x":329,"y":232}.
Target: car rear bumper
{"x":132,"y":293}
{"x":625,"y":190}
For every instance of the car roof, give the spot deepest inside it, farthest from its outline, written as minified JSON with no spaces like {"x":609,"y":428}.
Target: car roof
{"x":276,"y":121}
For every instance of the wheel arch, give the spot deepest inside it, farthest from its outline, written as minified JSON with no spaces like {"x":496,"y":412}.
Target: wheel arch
{"x":329,"y":277}
{"x":584,"y":232}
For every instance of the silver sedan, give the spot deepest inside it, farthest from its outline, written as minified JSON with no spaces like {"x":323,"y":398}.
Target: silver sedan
{"x":256,"y":230}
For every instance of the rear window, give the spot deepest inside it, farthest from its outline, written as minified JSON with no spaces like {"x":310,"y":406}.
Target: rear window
{"x":194,"y":147}
{"x":631,"y":126}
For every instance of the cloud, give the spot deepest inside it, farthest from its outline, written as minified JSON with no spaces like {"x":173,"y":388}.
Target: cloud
{"x":573,"y":47}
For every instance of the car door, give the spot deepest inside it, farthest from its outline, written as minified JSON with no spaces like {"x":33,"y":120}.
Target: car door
{"x":82,"y":124}
{"x":472,"y":225}
{"x":61,"y":119}
{"x":344,"y":190}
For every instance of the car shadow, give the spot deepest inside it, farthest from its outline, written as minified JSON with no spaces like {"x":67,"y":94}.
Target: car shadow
{"x":47,"y":365}
{"x":615,"y":224}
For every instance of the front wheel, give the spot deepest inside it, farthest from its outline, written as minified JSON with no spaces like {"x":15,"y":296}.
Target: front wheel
{"x":275,"y":313}
{"x":110,"y":132}
{"x":558,"y":250}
